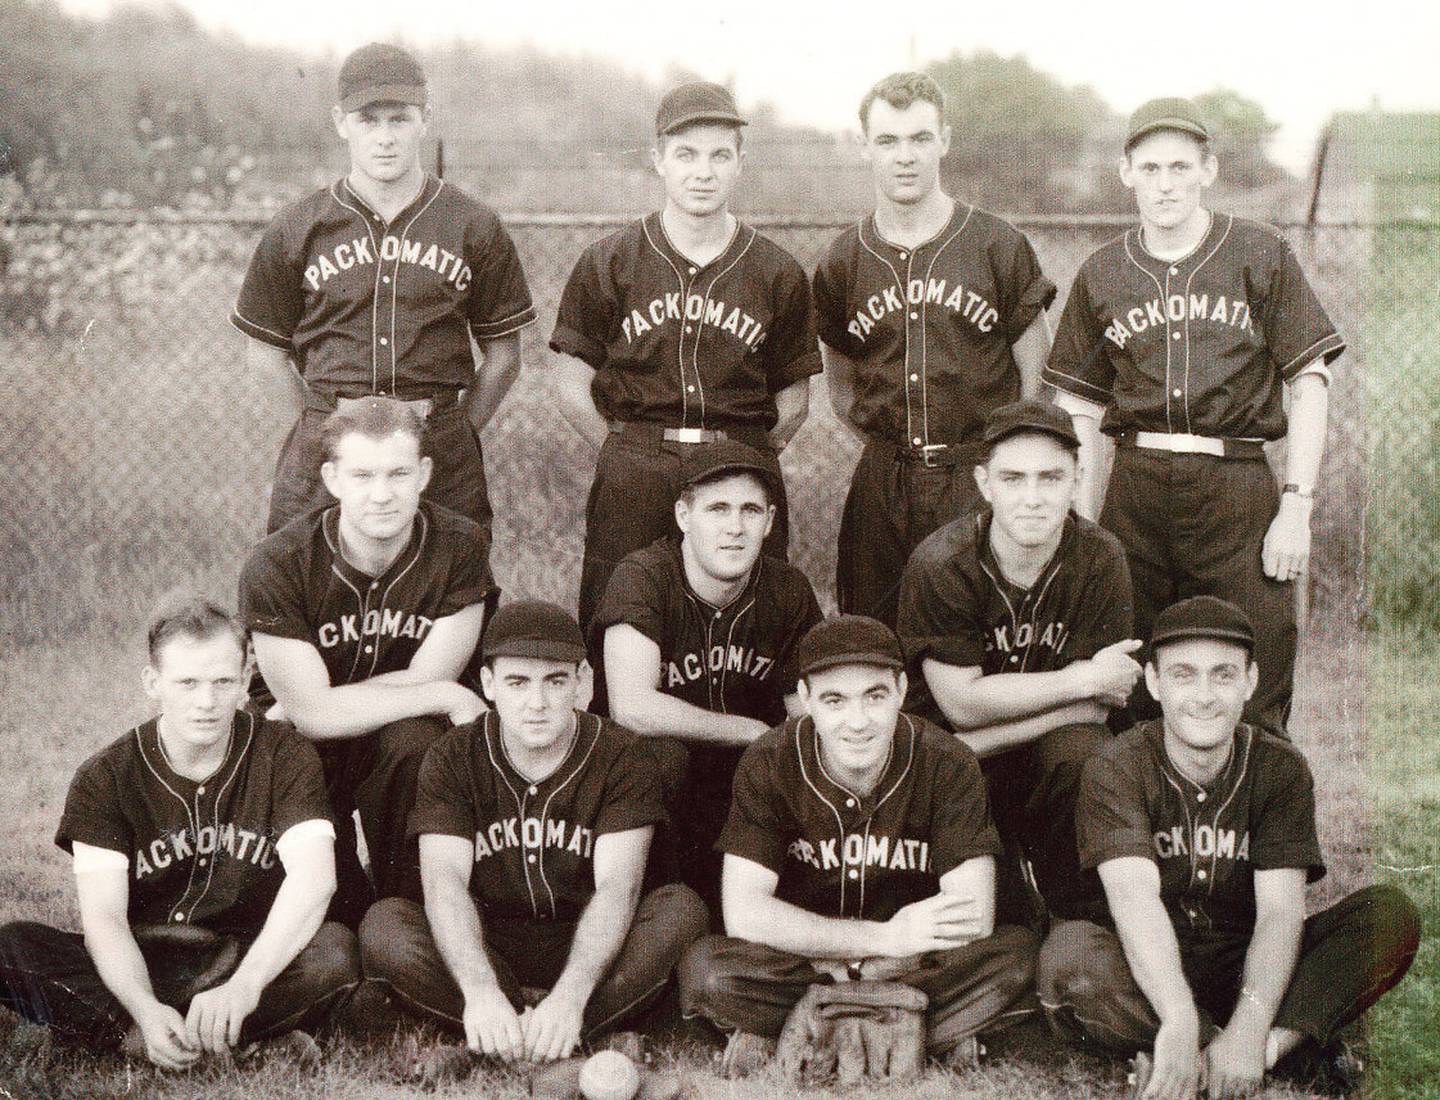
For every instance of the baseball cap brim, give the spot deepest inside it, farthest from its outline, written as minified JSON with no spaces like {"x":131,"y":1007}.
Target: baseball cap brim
{"x":385,"y":93}
{"x":545,"y":649}
{"x":835,"y":660}
{"x":1208,"y":633}
{"x":1185,"y":125}
{"x":703,"y":116}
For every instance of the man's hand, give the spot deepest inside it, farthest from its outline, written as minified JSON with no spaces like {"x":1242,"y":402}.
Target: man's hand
{"x":166,"y":1045}
{"x":491,"y":1026}
{"x":754,"y":728}
{"x":552,"y":1028}
{"x":1177,"y":1060}
{"x":1286,"y":551}
{"x":936,"y":923}
{"x":276,"y":713}
{"x":881,"y":969}
{"x":462,"y":705}
{"x":215,"y":1016}
{"x":1235,"y":1063}
{"x":1112,"y":673}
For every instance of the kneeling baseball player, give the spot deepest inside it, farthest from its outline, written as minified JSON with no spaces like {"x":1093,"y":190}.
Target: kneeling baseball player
{"x":859,"y":846}
{"x":203,"y":854}
{"x":534,"y":827}
{"x":1203,"y":831}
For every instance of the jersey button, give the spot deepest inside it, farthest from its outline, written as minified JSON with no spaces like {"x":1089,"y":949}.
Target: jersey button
{"x":904,"y":255}
{"x":383,"y":341}
{"x":914,"y":378}
{"x":1014,"y":657}
{"x":199,"y":790}
{"x":692,"y":271}
{"x":850,"y":803}
{"x":1174,"y":271}
{"x":854,"y":873}
{"x":531,"y":857}
{"x":1173,"y":336}
{"x":374,"y":584}
{"x":384,"y":278}
{"x":914,"y":316}
{"x":179,"y":918}
{"x":1175,"y":393}
{"x":1200,"y":875}
{"x":534,"y":790}
{"x":689,"y":389}
{"x":687,"y":328}
{"x":916,"y":441}
{"x":1200,"y":797}
{"x":203,"y":861}
{"x":369,"y":649}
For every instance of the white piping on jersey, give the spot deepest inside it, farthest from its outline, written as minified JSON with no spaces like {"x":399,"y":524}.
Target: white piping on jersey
{"x":1234,"y":790}
{"x":375,"y":292}
{"x":1055,"y":564}
{"x":925,"y":318}
{"x":286,"y":340}
{"x":519,"y":806}
{"x":1169,"y":425}
{"x":705,"y":609}
{"x":336,"y":556}
{"x":215,"y":812}
{"x":699,"y":329}
{"x":805,"y":774}
{"x":395,"y":277}
{"x":545,"y":809}
{"x":909,"y":416}
{"x":184,"y":803}
{"x":1189,"y":280}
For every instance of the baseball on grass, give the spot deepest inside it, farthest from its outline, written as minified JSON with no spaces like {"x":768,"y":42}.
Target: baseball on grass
{"x":609,"y":1075}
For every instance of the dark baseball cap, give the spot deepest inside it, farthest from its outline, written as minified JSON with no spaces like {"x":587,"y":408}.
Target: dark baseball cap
{"x":708,"y":461}
{"x":534,"y":628}
{"x":1168,"y":113}
{"x":700,"y":101}
{"x":380,"y":73}
{"x":849,"y":640}
{"x":1030,"y":415}
{"x":1202,"y":617}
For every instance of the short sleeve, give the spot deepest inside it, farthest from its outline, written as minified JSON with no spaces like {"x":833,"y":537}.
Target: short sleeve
{"x":470,"y":579}
{"x":961,"y":827}
{"x":92,"y":813}
{"x":753,"y":830}
{"x":272,"y":294}
{"x":1297,"y":329}
{"x":939,"y":614}
{"x":831,"y":290}
{"x":299,"y":791}
{"x":499,"y":299}
{"x":271,"y":600}
{"x":632,"y":792}
{"x":1105,"y":605}
{"x":1111,"y":817}
{"x":632,"y":596}
{"x":790,"y":351}
{"x":804,"y":615}
{"x":586,"y":317}
{"x":444,"y":800}
{"x":1283,"y":826}
{"x":1025,"y":292}
{"x":1079,"y":363}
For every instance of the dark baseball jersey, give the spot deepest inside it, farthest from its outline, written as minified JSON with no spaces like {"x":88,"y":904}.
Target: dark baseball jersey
{"x":930,"y":328}
{"x":736,"y":659}
{"x":200,"y":852}
{"x":1208,"y":841}
{"x":957,"y":606}
{"x":842,"y":854}
{"x":1201,"y":345}
{"x":685,"y":346}
{"x":535,"y":841}
{"x":369,"y":307}
{"x":296,"y":584}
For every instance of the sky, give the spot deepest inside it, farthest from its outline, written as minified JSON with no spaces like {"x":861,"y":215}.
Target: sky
{"x":813,"y":59}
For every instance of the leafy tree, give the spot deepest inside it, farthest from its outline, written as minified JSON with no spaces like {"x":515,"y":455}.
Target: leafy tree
{"x":1242,"y":131}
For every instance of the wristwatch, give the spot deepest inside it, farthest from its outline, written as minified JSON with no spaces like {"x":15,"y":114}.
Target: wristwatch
{"x":852,"y":970}
{"x":1306,"y":491}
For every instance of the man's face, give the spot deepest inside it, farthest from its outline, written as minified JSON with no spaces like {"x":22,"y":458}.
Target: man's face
{"x":1029,"y":480}
{"x":199,"y":683}
{"x":534,"y":699}
{"x":904,"y":149}
{"x":725,"y":523}
{"x":1202,"y":685}
{"x":855,"y":708}
{"x":699,"y":165}
{"x":377,"y":482}
{"x":1168,"y":173}
{"x":384,"y":138}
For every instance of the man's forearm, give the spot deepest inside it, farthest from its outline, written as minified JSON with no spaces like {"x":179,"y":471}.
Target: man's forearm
{"x":1153,"y":953}
{"x":601,"y":930}
{"x":1003,"y":736}
{"x":840,"y":383}
{"x":1030,"y":352}
{"x":765,"y":919}
{"x":571,"y":381}
{"x":455,"y":924}
{"x":279,"y":378}
{"x":1305,"y":437}
{"x":294,"y":918}
{"x":976,"y":702}
{"x":495,"y":373}
{"x":121,"y":966}
{"x":1269,"y":966}
{"x":352,"y":710}
{"x":792,"y":404}
{"x":655,"y":714}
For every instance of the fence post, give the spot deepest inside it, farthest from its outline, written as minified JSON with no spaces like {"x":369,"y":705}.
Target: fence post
{"x":440,"y":157}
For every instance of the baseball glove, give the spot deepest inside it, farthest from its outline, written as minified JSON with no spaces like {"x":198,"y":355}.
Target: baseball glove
{"x":853,"y":1030}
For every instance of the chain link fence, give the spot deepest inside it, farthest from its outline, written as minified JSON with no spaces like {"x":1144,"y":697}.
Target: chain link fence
{"x":136,"y":450}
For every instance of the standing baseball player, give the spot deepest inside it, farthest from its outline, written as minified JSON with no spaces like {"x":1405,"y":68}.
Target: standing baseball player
{"x":1016,"y":622}
{"x":1203,"y":831}
{"x":203,"y":853}
{"x":683,"y":328}
{"x":859,"y":846}
{"x":1177,"y":344}
{"x":534,"y":827}
{"x":386,"y":283}
{"x":698,"y":637}
{"x":932,"y":314}
{"x":364,"y":616}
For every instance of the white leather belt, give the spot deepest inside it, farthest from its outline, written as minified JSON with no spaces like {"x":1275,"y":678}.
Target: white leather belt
{"x":1181,"y":443}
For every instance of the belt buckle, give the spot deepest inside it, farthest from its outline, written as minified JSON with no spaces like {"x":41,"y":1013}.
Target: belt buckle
{"x":931,"y":452}
{"x":688,"y":435}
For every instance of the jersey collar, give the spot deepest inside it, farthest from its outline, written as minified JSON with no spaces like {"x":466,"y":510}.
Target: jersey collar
{"x":419,"y":539}
{"x":654,"y":227}
{"x":346,"y":196}
{"x":959,"y":214}
{"x":1235,"y":767}
{"x":848,"y":805}
{"x":1135,"y":240}
{"x":751,"y":582}
{"x":152,"y":751}
{"x":582,"y":746}
{"x":985,"y":516}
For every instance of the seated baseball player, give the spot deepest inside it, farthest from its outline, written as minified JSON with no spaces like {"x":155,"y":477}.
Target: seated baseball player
{"x":695,"y":640}
{"x":1203,"y":831}
{"x":859,"y":845}
{"x":534,"y":825}
{"x":1016,"y":621}
{"x":203,"y":854}
{"x":364,"y":616}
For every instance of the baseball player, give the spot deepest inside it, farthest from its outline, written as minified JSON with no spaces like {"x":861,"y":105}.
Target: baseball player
{"x":377,"y":285}
{"x":534,"y":827}
{"x":859,"y":846}
{"x":683,"y":328}
{"x":1177,"y":344}
{"x":1203,"y":830}
{"x":931,"y":313}
{"x":697,"y":640}
{"x":364,"y":615}
{"x":203,"y":853}
{"x":1016,"y":621}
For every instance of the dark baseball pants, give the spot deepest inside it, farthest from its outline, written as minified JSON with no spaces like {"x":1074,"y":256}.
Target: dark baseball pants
{"x":47,"y":976}
{"x":457,"y":481}
{"x":632,"y":503}
{"x":376,"y":775}
{"x":398,"y":949}
{"x":893,"y":504}
{"x":1032,"y":792}
{"x":1350,"y":956}
{"x":1193,"y":525}
{"x":740,"y":985}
